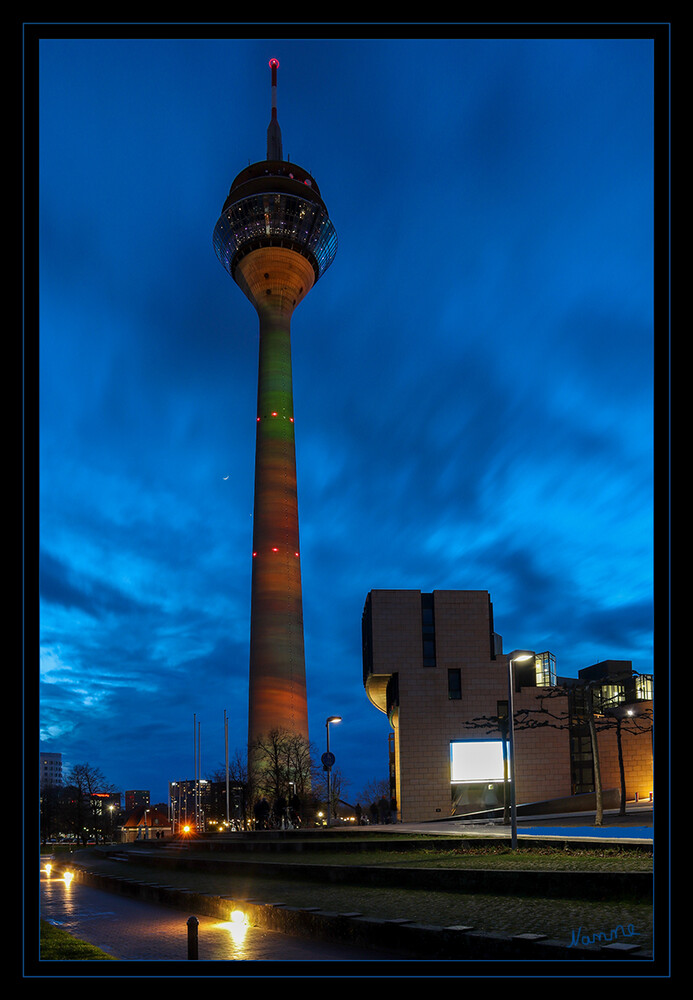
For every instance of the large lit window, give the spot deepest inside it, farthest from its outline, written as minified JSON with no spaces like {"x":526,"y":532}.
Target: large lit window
{"x":610,"y":695}
{"x":644,"y":685}
{"x":476,"y":760}
{"x":545,"y":669}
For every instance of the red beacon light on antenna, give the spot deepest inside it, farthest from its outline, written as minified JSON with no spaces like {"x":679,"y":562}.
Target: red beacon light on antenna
{"x":274,"y":63}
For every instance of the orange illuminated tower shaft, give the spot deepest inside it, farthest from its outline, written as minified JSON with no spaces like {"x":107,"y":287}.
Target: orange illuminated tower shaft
{"x":275,"y":238}
{"x":277,"y":696}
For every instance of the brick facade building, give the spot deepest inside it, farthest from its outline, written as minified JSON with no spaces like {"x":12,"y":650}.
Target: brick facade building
{"x":434,"y":664}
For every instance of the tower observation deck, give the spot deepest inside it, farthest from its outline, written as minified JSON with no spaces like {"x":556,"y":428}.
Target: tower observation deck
{"x":275,"y":239}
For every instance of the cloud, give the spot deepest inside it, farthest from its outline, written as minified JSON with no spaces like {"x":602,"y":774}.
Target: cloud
{"x":472,"y":376}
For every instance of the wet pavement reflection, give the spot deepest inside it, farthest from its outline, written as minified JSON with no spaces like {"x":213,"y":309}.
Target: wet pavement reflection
{"x":131,"y":930}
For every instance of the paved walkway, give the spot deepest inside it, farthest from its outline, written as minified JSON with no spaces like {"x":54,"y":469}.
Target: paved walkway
{"x":132,"y":930}
{"x":637,"y":824}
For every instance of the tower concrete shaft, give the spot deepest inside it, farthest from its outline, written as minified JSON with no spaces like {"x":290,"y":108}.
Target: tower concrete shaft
{"x":275,"y":238}
{"x":275,"y":279}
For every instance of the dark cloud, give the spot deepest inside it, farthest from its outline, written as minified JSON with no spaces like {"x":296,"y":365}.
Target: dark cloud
{"x":60,"y":585}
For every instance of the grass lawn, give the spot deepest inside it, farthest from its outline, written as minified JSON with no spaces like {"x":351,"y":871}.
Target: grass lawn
{"x":58,"y":945}
{"x":469,"y":855}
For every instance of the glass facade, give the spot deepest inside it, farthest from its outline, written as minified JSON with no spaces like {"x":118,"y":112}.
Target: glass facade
{"x":275,"y":219}
{"x":581,"y":762}
{"x":608,"y":696}
{"x":545,"y":669}
{"x":644,"y":687}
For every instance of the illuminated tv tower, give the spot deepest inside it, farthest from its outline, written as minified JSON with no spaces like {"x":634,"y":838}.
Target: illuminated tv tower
{"x":275,"y":239}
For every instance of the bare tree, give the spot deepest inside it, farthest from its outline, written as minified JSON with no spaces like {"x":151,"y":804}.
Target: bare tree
{"x":339,"y":784}
{"x":374,"y":791}
{"x":51,"y":810}
{"x":529,"y":718}
{"x":590,"y":713}
{"x":632,"y":723}
{"x":238,"y":770}
{"x":282,"y":765}
{"x":83,"y":784}
{"x":239,"y":801}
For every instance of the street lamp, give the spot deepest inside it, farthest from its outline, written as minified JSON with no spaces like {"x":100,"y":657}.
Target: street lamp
{"x":328,"y":761}
{"x":517,"y":656}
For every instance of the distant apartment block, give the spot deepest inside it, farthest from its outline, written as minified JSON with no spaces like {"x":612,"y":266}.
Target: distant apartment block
{"x":136,"y":799}
{"x":201,"y":805}
{"x":50,"y":770}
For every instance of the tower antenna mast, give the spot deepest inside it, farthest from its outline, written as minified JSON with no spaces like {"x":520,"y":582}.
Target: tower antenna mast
{"x":274,"y":133}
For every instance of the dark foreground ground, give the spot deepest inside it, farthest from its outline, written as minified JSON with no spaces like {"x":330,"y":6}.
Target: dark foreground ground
{"x":455,"y":893}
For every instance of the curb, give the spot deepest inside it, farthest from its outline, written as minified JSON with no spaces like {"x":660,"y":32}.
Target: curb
{"x":414,"y":941}
{"x":550,"y":884}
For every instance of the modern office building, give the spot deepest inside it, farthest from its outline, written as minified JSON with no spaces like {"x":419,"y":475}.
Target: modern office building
{"x":435,"y":665}
{"x":275,"y":239}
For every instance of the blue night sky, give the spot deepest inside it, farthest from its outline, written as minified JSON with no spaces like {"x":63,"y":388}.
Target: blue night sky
{"x":473,"y":377}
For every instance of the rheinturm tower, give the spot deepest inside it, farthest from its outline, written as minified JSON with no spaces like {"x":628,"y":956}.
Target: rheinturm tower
{"x":275,"y":239}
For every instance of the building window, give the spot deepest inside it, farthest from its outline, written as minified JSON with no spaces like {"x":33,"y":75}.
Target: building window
{"x":428,"y":630}
{"x":581,"y":760}
{"x":454,"y":685}
{"x":608,"y":696}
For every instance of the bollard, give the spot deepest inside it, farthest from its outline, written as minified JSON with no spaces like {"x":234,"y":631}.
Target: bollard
{"x":192,"y":937}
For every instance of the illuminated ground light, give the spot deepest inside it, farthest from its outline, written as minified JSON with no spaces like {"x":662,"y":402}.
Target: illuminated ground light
{"x":47,"y":869}
{"x":67,"y":877}
{"x":237,"y":926}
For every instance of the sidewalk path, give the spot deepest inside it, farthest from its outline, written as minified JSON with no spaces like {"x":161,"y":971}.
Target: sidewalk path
{"x":133,"y":930}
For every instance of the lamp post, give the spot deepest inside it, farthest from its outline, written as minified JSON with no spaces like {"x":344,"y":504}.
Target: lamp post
{"x":517,"y":656}
{"x":226,"y":752}
{"x":328,"y":761}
